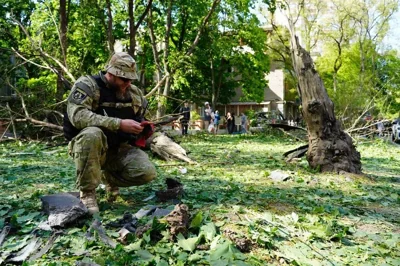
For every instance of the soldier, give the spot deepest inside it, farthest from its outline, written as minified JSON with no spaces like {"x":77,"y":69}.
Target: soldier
{"x":103,"y":119}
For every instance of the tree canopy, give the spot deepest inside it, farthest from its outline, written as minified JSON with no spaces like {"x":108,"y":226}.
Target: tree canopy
{"x":200,"y":50}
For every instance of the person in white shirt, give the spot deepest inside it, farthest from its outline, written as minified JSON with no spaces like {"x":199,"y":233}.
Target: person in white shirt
{"x":207,"y":115}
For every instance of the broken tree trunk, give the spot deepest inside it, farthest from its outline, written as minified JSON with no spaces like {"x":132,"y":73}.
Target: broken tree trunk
{"x":330,"y":148}
{"x":166,"y":148}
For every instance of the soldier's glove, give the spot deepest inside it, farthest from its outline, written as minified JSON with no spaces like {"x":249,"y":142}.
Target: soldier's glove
{"x":148,"y":130}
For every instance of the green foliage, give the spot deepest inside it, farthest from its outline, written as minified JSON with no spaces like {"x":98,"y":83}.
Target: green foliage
{"x":349,"y":57}
{"x":194,"y":115}
{"x":388,"y":84}
{"x":378,"y":82}
{"x":310,"y":219}
{"x":231,"y":26}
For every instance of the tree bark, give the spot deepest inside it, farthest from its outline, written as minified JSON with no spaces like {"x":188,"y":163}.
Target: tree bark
{"x":63,"y":30}
{"x":167,"y":85}
{"x":330,"y":148}
{"x":213,"y":99}
{"x":132,"y":29}
{"x":63,"y":44}
{"x":110,"y":36}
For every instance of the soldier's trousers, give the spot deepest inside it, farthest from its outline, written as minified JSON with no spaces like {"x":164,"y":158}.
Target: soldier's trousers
{"x":94,"y":162}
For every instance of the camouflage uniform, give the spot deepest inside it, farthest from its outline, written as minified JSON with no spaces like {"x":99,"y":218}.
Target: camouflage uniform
{"x":120,"y":166}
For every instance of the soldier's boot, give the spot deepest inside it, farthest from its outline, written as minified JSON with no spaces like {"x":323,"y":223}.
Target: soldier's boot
{"x":89,"y":199}
{"x":112,"y":192}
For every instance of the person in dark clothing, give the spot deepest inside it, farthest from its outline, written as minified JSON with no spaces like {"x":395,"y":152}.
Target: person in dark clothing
{"x":233,"y":129}
{"x":230,"y":119}
{"x":185,"y":110}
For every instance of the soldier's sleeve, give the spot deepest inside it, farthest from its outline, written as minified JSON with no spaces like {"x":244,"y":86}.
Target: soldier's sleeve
{"x":138,"y":99}
{"x":81,"y":102}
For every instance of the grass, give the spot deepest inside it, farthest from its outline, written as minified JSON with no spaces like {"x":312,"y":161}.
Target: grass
{"x":311,"y":219}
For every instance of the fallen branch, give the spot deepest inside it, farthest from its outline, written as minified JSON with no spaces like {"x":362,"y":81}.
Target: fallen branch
{"x":41,"y":123}
{"x":5,"y":131}
{"x":296,"y":149}
{"x":366,"y":109}
{"x":28,"y":118}
{"x":11,"y":120}
{"x":291,"y":135}
{"x":153,"y":90}
{"x":286,"y":127}
{"x":198,"y":164}
{"x":45,"y":56}
{"x":170,"y":119}
{"x":366,"y":127}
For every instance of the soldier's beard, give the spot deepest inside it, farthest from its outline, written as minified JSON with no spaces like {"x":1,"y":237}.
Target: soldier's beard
{"x":121,"y":94}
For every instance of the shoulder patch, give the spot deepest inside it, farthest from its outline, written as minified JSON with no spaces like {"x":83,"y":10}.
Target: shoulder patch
{"x":79,"y":95}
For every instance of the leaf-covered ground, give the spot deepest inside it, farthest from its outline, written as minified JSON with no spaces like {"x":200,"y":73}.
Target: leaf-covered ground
{"x":310,"y":219}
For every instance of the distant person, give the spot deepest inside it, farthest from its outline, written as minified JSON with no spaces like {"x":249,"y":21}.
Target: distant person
{"x":380,"y":127}
{"x":234,"y":123}
{"x":243,"y":122}
{"x":185,"y":111}
{"x":211,"y":126}
{"x":297,"y":124}
{"x":207,"y":114}
{"x":230,"y":122}
{"x":217,"y":119}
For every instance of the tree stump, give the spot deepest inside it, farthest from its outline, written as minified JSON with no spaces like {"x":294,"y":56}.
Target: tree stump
{"x":330,"y":148}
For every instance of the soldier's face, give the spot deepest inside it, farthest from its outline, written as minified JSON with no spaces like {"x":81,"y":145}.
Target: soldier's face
{"x":119,"y":83}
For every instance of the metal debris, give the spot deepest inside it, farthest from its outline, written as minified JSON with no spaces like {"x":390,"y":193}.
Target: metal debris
{"x":279,"y":176}
{"x":96,"y":226}
{"x":146,"y":210}
{"x":4,"y":234}
{"x":63,"y":208}
{"x":23,"y":254}
{"x":46,"y":247}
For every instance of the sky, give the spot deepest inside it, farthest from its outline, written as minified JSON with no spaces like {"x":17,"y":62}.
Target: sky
{"x":393,"y":38}
{"x":391,"y":41}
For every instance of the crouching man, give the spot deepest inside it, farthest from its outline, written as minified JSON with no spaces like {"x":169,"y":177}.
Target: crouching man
{"x":104,"y":124}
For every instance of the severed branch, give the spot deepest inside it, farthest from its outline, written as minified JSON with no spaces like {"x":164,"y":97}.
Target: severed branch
{"x":28,"y":117}
{"x":366,"y":127}
{"x":29,"y":61}
{"x":286,"y":127}
{"x":298,"y":149}
{"x":5,"y":131}
{"x":41,"y":123}
{"x":153,"y":90}
{"x":290,"y":135}
{"x":45,"y":55}
{"x":12,"y":120}
{"x":366,"y":109}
